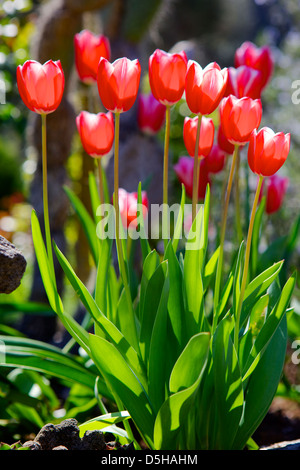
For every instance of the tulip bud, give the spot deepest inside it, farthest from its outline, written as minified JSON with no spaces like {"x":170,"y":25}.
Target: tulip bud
{"x":89,"y":48}
{"x":259,"y":58}
{"x":206,"y":135}
{"x":118,"y":83}
{"x":267,"y":151}
{"x":151,"y":114}
{"x":167,"y":76}
{"x":239,"y":117}
{"x":204,"y":88}
{"x":40,"y":86}
{"x":96,"y":132}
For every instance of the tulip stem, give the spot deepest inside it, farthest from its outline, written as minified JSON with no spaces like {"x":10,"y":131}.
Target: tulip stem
{"x":100,"y":177}
{"x":246,"y":263}
{"x":45,"y":195}
{"x":165,"y":176}
{"x":120,"y":252}
{"x":222,"y":237}
{"x":196,"y":175}
{"x":237,"y":201}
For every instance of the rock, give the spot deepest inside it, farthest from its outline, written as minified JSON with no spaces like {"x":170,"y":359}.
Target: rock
{"x":66,"y":433}
{"x":32,"y":445}
{"x":60,"y":448}
{"x":93,"y":440}
{"x":285,"y":445}
{"x":12,"y":266}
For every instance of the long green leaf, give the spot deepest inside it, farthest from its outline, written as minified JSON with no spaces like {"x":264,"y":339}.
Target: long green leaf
{"x":124,"y":384}
{"x":269,"y":327}
{"x":174,"y":411}
{"x":44,"y":358}
{"x":229,"y":396}
{"x":106,"y":326}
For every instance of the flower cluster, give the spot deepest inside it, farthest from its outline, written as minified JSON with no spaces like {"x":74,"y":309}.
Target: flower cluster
{"x":217,"y":353}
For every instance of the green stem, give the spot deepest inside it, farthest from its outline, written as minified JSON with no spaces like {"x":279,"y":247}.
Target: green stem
{"x":196,"y":171}
{"x":222,"y":237}
{"x":165,"y":176}
{"x":237,"y":201}
{"x":246,"y":263}
{"x":100,"y":178}
{"x":122,"y":266}
{"x":45,"y":196}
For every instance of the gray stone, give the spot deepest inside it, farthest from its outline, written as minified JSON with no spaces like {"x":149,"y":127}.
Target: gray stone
{"x":12,"y":266}
{"x":285,"y":445}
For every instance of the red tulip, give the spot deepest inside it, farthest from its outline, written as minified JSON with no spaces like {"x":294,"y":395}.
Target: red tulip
{"x":89,"y":48}
{"x":96,"y":132}
{"x":40,"y":86}
{"x":244,"y":81}
{"x":259,"y":58}
{"x":128,"y":203}
{"x":239,"y":117}
{"x":206,"y":135}
{"x":118,"y":83}
{"x":223,"y":143}
{"x":204,"y":88}
{"x":267,"y":151}
{"x":151,"y":114}
{"x":215,"y":159}
{"x":276,"y":189}
{"x":184,"y":170}
{"x":167,"y":76}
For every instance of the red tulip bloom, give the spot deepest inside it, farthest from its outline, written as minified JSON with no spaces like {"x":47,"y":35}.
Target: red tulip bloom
{"x":89,"y":48}
{"x":204,"y":88}
{"x":151,"y":114}
{"x":118,"y":83}
{"x":206,"y":138}
{"x":276,"y":189}
{"x":215,"y":159}
{"x":167,"y":76}
{"x":223,"y":143}
{"x":244,"y":81}
{"x":184,"y":170}
{"x":40,"y":86}
{"x":128,"y":203}
{"x":267,"y":151}
{"x":239,"y":117}
{"x":259,"y":58}
{"x":96,"y":132}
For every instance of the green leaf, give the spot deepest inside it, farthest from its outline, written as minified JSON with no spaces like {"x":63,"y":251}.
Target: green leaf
{"x":269,"y":327}
{"x":210,"y":268}
{"x":158,"y":375}
{"x":143,"y":236}
{"x":106,"y":326}
{"x":124,"y":384}
{"x":257,"y":287}
{"x":87,"y":223}
{"x":237,"y":279}
{"x":41,"y":357}
{"x":105,"y":422}
{"x":176,"y":305}
{"x":179,"y":222}
{"x":173,"y":413}
{"x":43,"y":262}
{"x":229,"y":395}
{"x":258,"y":398}
{"x":192,"y":273}
{"x":256,"y":235}
{"x":152,"y":298}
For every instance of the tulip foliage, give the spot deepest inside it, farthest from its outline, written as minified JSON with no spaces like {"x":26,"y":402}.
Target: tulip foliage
{"x":192,"y":372}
